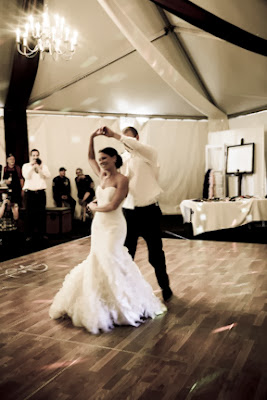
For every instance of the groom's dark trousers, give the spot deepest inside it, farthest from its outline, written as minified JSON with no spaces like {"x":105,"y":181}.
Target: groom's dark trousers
{"x":145,"y":222}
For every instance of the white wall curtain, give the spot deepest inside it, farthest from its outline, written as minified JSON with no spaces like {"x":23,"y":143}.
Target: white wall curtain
{"x":63,"y":142}
{"x":251,"y":121}
{"x":255,"y":184}
{"x":181,"y":150}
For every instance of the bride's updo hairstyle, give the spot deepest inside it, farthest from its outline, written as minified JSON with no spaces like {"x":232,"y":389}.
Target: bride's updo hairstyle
{"x":110,"y":151}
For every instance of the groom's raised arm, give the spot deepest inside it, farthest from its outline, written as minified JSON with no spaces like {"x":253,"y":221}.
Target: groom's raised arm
{"x":148,"y":153}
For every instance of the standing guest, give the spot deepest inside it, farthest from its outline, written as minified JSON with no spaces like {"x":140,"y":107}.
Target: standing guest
{"x":35,"y":174}
{"x":86,"y":193}
{"x":62,"y":191}
{"x":9,"y":214}
{"x":13,"y":179}
{"x":141,"y":209}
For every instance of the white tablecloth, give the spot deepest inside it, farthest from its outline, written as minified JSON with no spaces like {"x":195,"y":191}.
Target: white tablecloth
{"x":214,"y":215}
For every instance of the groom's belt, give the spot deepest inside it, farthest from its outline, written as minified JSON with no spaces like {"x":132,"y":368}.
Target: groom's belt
{"x":142,"y":207}
{"x":34,"y":191}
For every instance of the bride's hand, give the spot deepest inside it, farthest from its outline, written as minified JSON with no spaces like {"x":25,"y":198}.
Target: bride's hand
{"x":98,"y":132}
{"x":92,"y":206}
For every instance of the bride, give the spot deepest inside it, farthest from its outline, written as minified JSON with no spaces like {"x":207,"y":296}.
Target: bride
{"x":107,"y":288}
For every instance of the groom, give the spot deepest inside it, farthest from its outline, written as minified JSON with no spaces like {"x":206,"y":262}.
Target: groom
{"x":141,"y":209}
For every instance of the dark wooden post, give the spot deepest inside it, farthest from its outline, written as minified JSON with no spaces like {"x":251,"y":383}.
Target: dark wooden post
{"x":23,"y":75}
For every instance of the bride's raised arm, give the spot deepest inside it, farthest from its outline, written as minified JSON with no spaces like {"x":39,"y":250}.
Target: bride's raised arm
{"x":91,"y":153}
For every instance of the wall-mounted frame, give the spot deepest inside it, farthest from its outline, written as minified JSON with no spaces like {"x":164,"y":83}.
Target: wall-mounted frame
{"x":240,"y":158}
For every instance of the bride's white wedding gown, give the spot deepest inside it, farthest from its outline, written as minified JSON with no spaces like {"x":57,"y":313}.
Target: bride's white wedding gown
{"x":107,"y":288}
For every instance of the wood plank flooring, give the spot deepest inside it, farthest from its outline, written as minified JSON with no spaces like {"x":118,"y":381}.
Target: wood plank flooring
{"x":211,"y":344}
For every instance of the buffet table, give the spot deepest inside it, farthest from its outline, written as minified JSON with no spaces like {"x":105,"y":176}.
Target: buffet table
{"x":214,"y":215}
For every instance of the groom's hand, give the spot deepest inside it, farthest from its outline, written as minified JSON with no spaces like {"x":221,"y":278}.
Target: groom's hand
{"x":107,"y":131}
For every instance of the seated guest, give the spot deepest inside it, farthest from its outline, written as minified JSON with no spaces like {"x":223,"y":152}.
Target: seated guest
{"x":85,"y":187}
{"x":9,"y":214}
{"x":62,"y":191}
{"x":13,"y":179}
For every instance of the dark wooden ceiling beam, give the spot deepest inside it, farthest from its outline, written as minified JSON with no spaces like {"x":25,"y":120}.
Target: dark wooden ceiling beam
{"x":209,"y":22}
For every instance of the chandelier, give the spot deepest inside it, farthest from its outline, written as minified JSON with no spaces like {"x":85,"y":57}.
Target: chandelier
{"x":45,"y":34}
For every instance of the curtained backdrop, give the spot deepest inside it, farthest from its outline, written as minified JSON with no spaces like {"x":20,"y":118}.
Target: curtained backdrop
{"x":63,"y":142}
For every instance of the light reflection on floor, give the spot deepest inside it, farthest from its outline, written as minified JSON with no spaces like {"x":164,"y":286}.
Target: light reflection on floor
{"x":62,"y":364}
{"x":224,"y":328}
{"x":205,"y":381}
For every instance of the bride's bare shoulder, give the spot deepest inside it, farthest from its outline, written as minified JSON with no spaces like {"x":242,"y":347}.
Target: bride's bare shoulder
{"x":123,"y":179}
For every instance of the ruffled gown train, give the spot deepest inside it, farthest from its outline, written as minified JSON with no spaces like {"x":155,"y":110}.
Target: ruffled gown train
{"x":107,"y":288}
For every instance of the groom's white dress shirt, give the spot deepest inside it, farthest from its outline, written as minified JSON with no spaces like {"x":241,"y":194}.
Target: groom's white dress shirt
{"x":140,"y":165}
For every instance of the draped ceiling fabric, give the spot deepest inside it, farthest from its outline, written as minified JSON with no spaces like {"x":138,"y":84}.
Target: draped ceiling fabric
{"x":108,"y":74}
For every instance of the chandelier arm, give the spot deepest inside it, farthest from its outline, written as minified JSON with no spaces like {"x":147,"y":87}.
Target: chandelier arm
{"x":34,"y":50}
{"x":29,"y":54}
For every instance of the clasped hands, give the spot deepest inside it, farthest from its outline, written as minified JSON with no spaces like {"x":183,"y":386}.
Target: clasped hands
{"x":105,"y":131}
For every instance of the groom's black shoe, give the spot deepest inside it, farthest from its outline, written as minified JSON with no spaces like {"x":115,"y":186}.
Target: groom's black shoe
{"x":167,"y":294}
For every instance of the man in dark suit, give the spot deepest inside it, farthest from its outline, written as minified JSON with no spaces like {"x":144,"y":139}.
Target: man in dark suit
{"x":86,"y":193}
{"x":62,"y":191}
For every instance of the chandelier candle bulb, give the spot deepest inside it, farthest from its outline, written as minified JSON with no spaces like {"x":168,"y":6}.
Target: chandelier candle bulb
{"x":58,"y":45}
{"x":31,"y":21}
{"x":38,"y":28}
{"x":25,"y":40}
{"x":45,"y":20}
{"x":41,"y":45}
{"x":62,"y":24}
{"x":26,"y":29}
{"x":18,"y":35}
{"x":53,"y":34}
{"x":75,"y":37}
{"x":67,"y":32}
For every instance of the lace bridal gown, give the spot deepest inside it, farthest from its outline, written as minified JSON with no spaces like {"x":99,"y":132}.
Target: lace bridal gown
{"x":107,"y":288}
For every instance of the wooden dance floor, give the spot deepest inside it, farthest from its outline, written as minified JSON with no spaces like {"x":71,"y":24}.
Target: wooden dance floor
{"x":211,"y":344}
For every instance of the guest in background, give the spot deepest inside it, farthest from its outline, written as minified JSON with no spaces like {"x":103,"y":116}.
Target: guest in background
{"x":9,"y":214}
{"x":86,"y":193}
{"x":35,"y":174}
{"x":62,"y":191}
{"x":14,"y":180}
